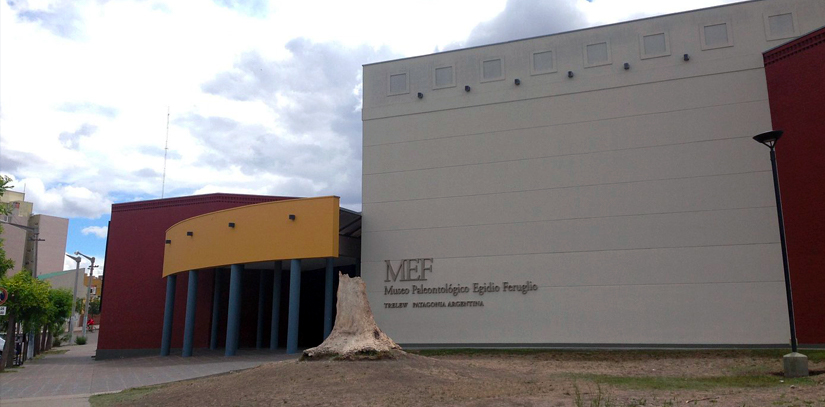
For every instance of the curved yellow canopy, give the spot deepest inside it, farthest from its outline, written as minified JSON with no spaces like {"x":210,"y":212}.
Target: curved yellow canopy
{"x":291,"y":229}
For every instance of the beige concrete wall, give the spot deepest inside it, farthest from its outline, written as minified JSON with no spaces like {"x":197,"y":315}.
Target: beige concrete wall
{"x":52,"y":249}
{"x":67,"y":280}
{"x":14,"y":238}
{"x":14,"y":243}
{"x":635,"y":200}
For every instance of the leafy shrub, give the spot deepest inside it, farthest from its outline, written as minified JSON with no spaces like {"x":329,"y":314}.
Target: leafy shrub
{"x":60,"y":340}
{"x":80,"y":340}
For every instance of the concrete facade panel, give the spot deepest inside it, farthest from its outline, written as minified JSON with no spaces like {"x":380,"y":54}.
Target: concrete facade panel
{"x":634,"y":202}
{"x":691,"y":93}
{"x":718,"y":192}
{"x":692,"y":229}
{"x":723,"y":157}
{"x":653,"y":314}
{"x":643,"y":267}
{"x":644,"y":131}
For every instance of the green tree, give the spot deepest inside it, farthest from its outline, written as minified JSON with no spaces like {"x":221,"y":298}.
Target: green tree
{"x":94,"y":306}
{"x":29,"y":299}
{"x":60,"y":308}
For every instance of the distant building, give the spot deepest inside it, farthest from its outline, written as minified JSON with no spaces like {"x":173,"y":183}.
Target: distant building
{"x":19,"y":243}
{"x":66,"y":279}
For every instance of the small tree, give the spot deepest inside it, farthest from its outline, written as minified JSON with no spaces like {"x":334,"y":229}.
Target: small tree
{"x":29,"y":303}
{"x":60,"y":309}
{"x":94,"y":306}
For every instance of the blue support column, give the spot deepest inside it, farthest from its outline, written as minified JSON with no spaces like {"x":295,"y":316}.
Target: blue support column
{"x":328,"y":298}
{"x":294,"y":305}
{"x":276,"y":307}
{"x":168,"y":315}
{"x":233,"y":320}
{"x":216,"y":311}
{"x":259,"y":339}
{"x":191,"y":304}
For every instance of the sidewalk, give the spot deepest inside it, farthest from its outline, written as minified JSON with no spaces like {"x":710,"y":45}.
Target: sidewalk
{"x":69,"y":379}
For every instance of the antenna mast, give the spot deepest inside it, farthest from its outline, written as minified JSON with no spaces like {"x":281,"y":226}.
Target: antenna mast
{"x":165,"y":153}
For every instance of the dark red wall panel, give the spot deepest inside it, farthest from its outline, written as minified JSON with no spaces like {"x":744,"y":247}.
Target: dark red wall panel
{"x":135,"y":290}
{"x":796,"y":87}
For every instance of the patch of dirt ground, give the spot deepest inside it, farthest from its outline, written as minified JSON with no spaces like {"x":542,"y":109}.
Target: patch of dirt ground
{"x":510,"y":378}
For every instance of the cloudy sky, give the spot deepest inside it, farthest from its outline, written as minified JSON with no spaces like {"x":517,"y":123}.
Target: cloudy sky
{"x":263,"y":97}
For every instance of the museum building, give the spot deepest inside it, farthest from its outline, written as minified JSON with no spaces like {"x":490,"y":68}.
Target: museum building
{"x":594,"y":188}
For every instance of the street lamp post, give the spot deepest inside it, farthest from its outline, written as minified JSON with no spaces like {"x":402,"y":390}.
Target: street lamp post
{"x":88,"y":290}
{"x":795,"y":363}
{"x":77,"y":259}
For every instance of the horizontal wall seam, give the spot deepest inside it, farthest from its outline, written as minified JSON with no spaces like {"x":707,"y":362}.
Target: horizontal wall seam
{"x":674,"y":346}
{"x":561,"y":155}
{"x":628,"y":285}
{"x":629,"y":215}
{"x":593,"y":251}
{"x":567,"y":123}
{"x":755,"y":68}
{"x":565,"y":187}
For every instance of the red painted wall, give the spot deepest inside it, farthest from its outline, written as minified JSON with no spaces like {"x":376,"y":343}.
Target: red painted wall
{"x":135,"y":292}
{"x":796,"y":89}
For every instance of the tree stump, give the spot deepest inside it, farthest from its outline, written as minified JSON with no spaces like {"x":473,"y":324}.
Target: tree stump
{"x":355,"y":334}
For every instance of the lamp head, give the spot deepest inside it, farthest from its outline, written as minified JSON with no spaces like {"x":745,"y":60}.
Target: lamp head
{"x":769,"y":138}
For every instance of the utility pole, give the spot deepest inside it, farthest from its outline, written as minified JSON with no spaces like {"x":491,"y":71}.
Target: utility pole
{"x":77,"y":259}
{"x":36,"y":239}
{"x":88,"y":290}
{"x":35,"y":231}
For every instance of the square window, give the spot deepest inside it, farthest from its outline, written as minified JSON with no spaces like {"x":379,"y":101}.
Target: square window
{"x":543,"y":62}
{"x":444,"y":77}
{"x":596,"y":54}
{"x":780,"y":26}
{"x":655,"y":45}
{"x":717,"y":35}
{"x":492,"y":70}
{"x":398,"y":84}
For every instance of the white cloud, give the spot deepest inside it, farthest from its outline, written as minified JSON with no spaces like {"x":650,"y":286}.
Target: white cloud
{"x":86,"y":85}
{"x":64,"y":200}
{"x":99,"y":231}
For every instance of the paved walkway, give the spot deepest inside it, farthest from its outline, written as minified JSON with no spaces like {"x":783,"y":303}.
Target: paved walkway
{"x":69,"y":379}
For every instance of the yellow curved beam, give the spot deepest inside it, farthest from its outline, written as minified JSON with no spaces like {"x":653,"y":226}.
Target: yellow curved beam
{"x":262,"y":232}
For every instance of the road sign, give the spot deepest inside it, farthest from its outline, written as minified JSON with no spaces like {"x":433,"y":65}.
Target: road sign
{"x":4,"y":295}
{"x":2,"y":310}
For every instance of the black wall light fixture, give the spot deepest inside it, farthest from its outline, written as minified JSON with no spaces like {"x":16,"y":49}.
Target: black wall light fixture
{"x":686,"y":57}
{"x":467,"y":88}
{"x":232,"y":224}
{"x":626,"y":66}
{"x":569,"y":74}
{"x":517,"y":81}
{"x":168,"y":241}
{"x":420,"y":95}
{"x":292,"y":217}
{"x":190,"y":233}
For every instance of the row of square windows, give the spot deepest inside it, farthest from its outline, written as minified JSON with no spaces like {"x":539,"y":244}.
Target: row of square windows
{"x":717,"y":35}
